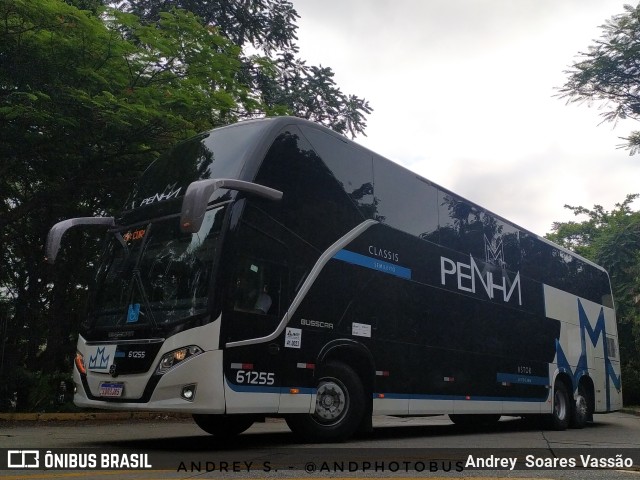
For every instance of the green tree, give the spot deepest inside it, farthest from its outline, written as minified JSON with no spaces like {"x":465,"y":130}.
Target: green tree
{"x":87,"y":99}
{"x":612,"y":239}
{"x":609,"y":72}
{"x":267,"y":25}
{"x":283,"y":82}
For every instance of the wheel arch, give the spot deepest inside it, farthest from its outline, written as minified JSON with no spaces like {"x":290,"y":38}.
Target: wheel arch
{"x":586,"y":383}
{"x":567,"y":381}
{"x":355,"y":355}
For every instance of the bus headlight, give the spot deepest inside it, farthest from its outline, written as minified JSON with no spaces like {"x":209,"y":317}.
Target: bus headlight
{"x":171,"y":359}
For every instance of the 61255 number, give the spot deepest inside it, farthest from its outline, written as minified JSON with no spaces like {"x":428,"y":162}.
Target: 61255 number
{"x":255,"y":378}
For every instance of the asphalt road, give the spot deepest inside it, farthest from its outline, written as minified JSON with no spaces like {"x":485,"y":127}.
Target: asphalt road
{"x":398,"y":447}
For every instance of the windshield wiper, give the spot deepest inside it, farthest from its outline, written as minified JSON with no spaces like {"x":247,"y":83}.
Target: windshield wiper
{"x":136,"y":280}
{"x":145,"y":300}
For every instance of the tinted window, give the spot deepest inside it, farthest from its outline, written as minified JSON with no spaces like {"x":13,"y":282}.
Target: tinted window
{"x":501,"y":243}
{"x":403,"y":200}
{"x":560,"y":269}
{"x":349,"y":164}
{"x":314,"y":204}
{"x":461,"y":225}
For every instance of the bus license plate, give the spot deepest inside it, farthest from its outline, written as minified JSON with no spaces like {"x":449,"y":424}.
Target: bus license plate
{"x":111,"y":389}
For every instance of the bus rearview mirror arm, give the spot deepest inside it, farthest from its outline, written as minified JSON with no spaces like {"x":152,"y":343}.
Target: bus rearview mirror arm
{"x":198,"y":194}
{"x":58,"y":230}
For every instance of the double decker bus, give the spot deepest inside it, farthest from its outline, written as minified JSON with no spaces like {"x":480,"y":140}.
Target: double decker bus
{"x":275,"y":268}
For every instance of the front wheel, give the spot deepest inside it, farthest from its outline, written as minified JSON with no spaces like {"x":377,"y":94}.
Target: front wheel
{"x":340,"y":407}
{"x":224,"y":426}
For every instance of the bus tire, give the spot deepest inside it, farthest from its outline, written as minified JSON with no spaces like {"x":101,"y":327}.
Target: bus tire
{"x":580,"y":410}
{"x":561,"y":415}
{"x":474,"y":420}
{"x":223,"y":426}
{"x":340,"y":407}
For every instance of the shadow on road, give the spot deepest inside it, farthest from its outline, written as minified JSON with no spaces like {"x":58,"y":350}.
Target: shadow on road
{"x":269,"y":440}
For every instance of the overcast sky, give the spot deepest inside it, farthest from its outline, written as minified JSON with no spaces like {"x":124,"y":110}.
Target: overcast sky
{"x":463,"y":94}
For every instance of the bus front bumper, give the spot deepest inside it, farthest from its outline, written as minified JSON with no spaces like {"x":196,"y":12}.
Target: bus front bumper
{"x":201,"y":375}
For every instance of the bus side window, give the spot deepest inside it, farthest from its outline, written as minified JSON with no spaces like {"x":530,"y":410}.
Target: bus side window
{"x":258,"y":287}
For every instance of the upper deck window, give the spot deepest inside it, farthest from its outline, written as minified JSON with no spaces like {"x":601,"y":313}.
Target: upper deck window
{"x":351,"y":166}
{"x":315,"y":204}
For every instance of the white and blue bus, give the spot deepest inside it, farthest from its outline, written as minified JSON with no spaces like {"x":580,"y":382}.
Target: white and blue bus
{"x":274,"y":268}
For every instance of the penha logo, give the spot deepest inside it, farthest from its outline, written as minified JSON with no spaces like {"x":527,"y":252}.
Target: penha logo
{"x":170,"y":191}
{"x":494,"y":253}
{"x":469,"y":277}
{"x":99,"y":361}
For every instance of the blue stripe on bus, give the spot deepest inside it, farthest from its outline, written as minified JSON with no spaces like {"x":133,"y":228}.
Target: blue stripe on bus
{"x":522,"y":379}
{"x":472,"y":398}
{"x":267,"y":389}
{"x":373,"y":263}
{"x":387,"y":396}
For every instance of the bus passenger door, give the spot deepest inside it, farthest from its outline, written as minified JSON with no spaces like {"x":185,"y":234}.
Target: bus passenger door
{"x":256,"y":301}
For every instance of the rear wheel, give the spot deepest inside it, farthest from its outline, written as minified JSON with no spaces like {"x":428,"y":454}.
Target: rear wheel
{"x":559,"y":419}
{"x":580,"y":414}
{"x":224,"y":426}
{"x":340,"y":407}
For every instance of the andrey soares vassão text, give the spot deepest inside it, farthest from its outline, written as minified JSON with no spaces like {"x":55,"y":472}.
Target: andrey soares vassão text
{"x":531,"y":461}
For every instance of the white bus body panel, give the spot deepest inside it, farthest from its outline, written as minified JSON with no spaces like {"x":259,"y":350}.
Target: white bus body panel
{"x":582,"y":348}
{"x":203,"y":370}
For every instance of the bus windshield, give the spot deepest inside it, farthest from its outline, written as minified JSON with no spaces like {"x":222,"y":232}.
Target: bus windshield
{"x":154,"y":275}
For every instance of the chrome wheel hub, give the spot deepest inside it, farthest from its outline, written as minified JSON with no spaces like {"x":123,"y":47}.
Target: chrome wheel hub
{"x":331,"y":401}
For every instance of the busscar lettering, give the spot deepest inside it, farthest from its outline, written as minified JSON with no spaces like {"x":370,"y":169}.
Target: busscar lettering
{"x":316,"y":323}
{"x":469,"y":275}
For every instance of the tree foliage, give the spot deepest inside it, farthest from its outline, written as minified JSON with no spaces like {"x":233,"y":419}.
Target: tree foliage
{"x":87,"y":99}
{"x":609,"y":72}
{"x":283,"y":82}
{"x":267,"y":25}
{"x":612,"y":239}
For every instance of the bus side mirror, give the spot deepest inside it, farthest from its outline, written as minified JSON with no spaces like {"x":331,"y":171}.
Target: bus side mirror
{"x":57,"y":231}
{"x":198,"y":194}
